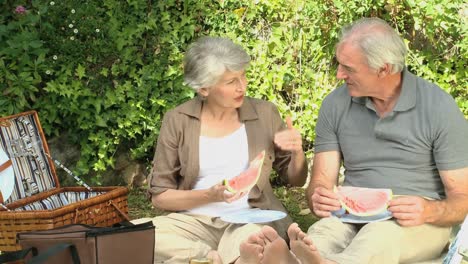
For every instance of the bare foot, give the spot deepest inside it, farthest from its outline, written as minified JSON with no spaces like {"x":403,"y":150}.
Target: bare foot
{"x":302,"y":246}
{"x":214,"y":256}
{"x":251,"y":251}
{"x":276,"y":250}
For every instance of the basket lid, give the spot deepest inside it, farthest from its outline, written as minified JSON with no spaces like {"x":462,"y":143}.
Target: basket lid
{"x":24,"y":145}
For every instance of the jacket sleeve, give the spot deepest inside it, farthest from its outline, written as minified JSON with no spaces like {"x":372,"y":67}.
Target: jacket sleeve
{"x":282,"y":158}
{"x":166,"y":163}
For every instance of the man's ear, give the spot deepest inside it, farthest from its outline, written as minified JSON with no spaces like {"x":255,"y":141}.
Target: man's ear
{"x":385,"y":70}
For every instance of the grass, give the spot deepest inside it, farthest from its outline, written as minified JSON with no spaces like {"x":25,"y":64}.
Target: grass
{"x":139,"y":206}
{"x":292,"y":198}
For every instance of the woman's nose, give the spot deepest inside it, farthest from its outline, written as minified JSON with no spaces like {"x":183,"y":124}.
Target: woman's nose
{"x":242,"y":84}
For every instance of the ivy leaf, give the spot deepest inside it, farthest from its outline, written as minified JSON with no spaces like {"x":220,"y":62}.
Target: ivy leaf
{"x":80,"y":71}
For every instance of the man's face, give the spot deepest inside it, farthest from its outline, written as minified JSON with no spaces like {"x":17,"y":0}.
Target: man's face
{"x":360,"y":79}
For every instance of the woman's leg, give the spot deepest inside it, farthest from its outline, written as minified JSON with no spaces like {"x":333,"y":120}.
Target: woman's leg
{"x":232,"y":238}
{"x":180,"y":237}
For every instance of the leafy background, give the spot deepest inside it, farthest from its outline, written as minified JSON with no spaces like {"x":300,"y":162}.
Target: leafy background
{"x":105,"y":71}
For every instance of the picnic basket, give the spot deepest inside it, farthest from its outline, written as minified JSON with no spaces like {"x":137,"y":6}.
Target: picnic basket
{"x":34,"y":200}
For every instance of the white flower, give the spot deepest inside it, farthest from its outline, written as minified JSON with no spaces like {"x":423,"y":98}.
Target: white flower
{"x":47,"y":72}
{"x":75,"y":30}
{"x":70,"y":26}
{"x":72,"y":38}
{"x":52,"y":3}
{"x":55,"y":57}
{"x":73,"y":11}
{"x":97,"y":30}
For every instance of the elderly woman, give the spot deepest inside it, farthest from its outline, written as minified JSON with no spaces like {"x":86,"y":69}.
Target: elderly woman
{"x":214,"y":137}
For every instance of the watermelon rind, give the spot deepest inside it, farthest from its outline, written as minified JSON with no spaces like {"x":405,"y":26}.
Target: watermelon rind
{"x":347,"y":206}
{"x":254,"y":164}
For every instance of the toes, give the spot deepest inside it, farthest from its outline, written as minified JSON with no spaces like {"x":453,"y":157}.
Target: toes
{"x":301,"y":235}
{"x":250,"y":253}
{"x":257,"y":238}
{"x":269,"y":233}
{"x":293,"y":231}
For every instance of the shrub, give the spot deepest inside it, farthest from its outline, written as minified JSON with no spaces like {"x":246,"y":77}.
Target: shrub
{"x":105,"y":71}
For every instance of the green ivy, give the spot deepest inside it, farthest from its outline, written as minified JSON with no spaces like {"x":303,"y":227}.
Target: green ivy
{"x":105,"y":71}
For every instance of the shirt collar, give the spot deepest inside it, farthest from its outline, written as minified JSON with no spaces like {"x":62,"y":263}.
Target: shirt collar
{"x":193,"y":108}
{"x":407,"y":98}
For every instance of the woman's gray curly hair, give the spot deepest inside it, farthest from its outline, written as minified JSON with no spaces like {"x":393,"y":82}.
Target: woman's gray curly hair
{"x":209,"y":57}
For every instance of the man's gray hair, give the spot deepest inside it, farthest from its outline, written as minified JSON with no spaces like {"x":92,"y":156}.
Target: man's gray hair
{"x":209,"y":57}
{"x":378,"y":41}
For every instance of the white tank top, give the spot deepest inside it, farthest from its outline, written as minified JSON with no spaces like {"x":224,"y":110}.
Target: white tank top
{"x":222,"y":158}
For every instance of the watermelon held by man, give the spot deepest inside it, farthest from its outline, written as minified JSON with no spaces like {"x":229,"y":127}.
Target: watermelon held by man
{"x":360,"y":201}
{"x":248,"y":178}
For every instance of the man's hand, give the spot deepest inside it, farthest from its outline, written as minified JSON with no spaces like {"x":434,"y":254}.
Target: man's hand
{"x":324,"y":202}
{"x":409,"y":210}
{"x":289,"y":139}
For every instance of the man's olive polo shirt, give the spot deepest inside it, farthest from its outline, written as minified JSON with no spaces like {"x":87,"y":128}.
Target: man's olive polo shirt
{"x":424,"y":133}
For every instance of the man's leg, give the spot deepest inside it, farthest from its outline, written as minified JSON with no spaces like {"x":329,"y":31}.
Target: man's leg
{"x":377,"y":242}
{"x":331,"y":236}
{"x":424,"y":242}
{"x":388,"y":242}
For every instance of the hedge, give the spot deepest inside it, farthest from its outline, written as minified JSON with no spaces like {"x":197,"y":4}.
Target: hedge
{"x":105,"y":71}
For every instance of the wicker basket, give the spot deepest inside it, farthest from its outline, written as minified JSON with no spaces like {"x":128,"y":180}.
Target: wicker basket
{"x":37,"y":201}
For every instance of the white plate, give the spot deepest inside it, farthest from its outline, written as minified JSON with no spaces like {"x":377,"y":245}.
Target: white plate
{"x":253,"y":216}
{"x":353,"y":219}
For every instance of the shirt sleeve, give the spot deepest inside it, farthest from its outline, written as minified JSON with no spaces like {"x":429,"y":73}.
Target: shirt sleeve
{"x":451,"y":138}
{"x":166,"y":164}
{"x":326,"y":138}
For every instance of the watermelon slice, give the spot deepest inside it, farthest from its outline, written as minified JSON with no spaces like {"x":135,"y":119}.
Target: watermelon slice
{"x":363,"y":201}
{"x":248,"y":178}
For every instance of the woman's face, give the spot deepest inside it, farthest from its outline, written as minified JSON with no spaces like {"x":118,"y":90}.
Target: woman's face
{"x":229,"y":91}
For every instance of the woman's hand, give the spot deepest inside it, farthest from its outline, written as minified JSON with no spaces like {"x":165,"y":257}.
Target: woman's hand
{"x":289,"y":139}
{"x":219,"y":193}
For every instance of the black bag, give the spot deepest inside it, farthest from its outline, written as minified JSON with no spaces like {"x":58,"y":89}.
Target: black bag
{"x":86,"y":244}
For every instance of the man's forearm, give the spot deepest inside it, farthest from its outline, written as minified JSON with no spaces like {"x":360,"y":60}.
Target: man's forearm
{"x":447,"y":212}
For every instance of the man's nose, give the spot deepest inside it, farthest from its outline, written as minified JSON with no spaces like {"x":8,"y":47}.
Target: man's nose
{"x":341,"y":73}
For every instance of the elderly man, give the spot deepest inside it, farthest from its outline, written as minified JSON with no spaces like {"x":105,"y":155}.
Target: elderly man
{"x":390,"y":129}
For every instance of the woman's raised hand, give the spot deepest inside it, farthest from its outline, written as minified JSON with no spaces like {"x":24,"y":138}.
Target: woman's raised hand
{"x":289,"y":139}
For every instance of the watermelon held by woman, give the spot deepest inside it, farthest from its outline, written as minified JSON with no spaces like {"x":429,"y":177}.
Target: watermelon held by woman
{"x":361,"y":201}
{"x":248,"y":178}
